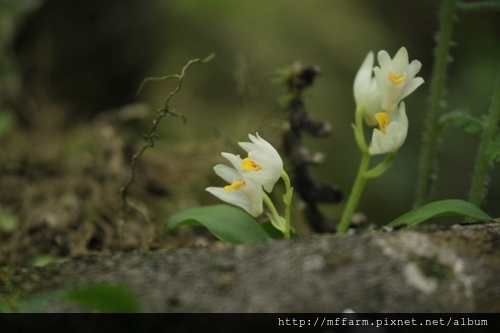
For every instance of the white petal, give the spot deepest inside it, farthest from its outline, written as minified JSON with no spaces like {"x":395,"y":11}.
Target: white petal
{"x":262,"y":145}
{"x":250,"y":203}
{"x":411,"y":87}
{"x":236,"y":198}
{"x":270,"y":172}
{"x":372,"y":104}
{"x":413,"y":69}
{"x":235,"y":160}
{"x":395,"y":134}
{"x":384,"y":60}
{"x":266,"y":160}
{"x":384,"y":143}
{"x":400,"y":60}
{"x":400,"y":116}
{"x":378,"y":144}
{"x":362,"y":80}
{"x":263,"y":177}
{"x":227,"y":173}
{"x":267,"y":157}
{"x":388,"y":91}
{"x":248,"y":146}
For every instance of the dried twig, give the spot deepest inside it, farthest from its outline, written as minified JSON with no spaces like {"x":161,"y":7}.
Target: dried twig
{"x":160,"y":113}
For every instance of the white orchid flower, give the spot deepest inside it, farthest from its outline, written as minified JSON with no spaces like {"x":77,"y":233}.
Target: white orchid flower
{"x":263,"y":165}
{"x":396,"y":77}
{"x":241,"y":192}
{"x":366,"y":92}
{"x":391,"y":134}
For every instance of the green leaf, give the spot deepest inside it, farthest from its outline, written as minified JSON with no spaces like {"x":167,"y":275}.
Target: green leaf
{"x":228,"y":223}
{"x":105,"y":298}
{"x":462,"y":119}
{"x":449,"y":207}
{"x":102,"y":297}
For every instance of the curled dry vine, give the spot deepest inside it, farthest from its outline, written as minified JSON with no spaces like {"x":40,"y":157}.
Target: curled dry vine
{"x":160,"y":113}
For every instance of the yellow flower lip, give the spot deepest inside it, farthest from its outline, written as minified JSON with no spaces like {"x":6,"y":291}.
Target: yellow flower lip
{"x":248,"y":165}
{"x":383,"y":120}
{"x":396,"y":78}
{"x":234,"y":186}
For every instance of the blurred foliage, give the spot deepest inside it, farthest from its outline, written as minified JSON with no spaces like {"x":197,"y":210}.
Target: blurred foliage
{"x":5,"y":122}
{"x":464,"y":120}
{"x":8,"y":221}
{"x":95,"y":297}
{"x":12,"y":13}
{"x":235,"y":95}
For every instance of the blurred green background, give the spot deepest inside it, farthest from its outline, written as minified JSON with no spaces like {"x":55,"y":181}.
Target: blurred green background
{"x":234,"y":94}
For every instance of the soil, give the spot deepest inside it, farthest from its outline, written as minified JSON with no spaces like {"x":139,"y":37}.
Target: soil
{"x":60,"y":188}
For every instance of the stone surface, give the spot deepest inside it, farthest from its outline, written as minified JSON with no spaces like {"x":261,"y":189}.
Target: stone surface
{"x":432,"y":269}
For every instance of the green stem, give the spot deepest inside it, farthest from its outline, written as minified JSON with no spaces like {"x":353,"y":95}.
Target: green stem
{"x":483,"y":160}
{"x":380,"y":168}
{"x":356,"y":191}
{"x":270,"y":205}
{"x":274,"y":213}
{"x":287,"y":199}
{"x":431,"y":135}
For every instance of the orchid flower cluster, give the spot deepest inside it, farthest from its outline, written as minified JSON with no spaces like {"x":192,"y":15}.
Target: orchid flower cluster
{"x":379,"y":98}
{"x":378,"y":92}
{"x":251,"y":178}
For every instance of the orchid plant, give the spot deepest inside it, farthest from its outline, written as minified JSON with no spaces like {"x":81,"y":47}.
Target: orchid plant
{"x":378,"y":92}
{"x":249,"y":179}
